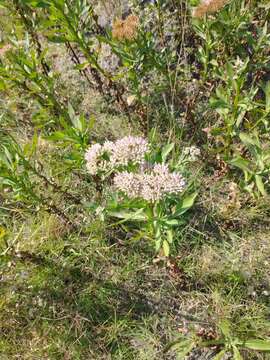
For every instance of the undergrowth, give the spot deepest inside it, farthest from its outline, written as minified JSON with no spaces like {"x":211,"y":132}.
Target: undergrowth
{"x":134,"y":179}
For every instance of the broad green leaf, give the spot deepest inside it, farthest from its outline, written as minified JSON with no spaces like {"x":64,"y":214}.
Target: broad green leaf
{"x":186,"y":204}
{"x":166,"y":150}
{"x":218,"y":104}
{"x":260,"y":185}
{"x":166,"y":248}
{"x":257,"y":344}
{"x":248,"y":140}
{"x":184,"y":348}
{"x":129,"y":215}
{"x":240,"y":163}
{"x":181,"y":347}
{"x":188,"y":201}
{"x":225,"y":326}
{"x":71,"y":112}
{"x":57,"y":136}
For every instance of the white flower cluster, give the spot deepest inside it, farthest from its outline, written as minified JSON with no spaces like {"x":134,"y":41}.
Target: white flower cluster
{"x":151,"y":186}
{"x":192,"y":153}
{"x":96,"y":159}
{"x":129,"y":149}
{"x":111,"y":155}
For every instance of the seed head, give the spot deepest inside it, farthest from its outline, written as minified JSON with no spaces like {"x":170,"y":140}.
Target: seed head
{"x":208,"y":6}
{"x":125,"y":29}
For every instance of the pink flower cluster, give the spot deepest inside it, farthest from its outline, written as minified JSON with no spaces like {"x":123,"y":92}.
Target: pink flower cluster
{"x":151,"y":186}
{"x":111,"y":155}
{"x":151,"y":182}
{"x":129,"y":149}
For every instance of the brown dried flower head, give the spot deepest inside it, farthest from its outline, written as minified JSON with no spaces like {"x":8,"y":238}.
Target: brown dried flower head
{"x":208,"y":6}
{"x":125,"y":29}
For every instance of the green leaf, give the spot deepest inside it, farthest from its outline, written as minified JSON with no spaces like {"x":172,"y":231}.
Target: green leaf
{"x":30,"y":148}
{"x":225,"y":328}
{"x":267,"y":96}
{"x":236,"y":354}
{"x":184,"y":348}
{"x":170,"y":236}
{"x":248,"y":140}
{"x":56,"y":136}
{"x":257,"y":344}
{"x":157,"y":231}
{"x":157,"y":245}
{"x":172,"y":222}
{"x":81,"y":66}
{"x":71,"y":112}
{"x":181,"y":346}
{"x":220,"y":355}
{"x":189,"y":200}
{"x":8,"y":158}
{"x":186,"y":204}
{"x":166,"y":248}
{"x":166,"y":150}
{"x":240,"y":163}
{"x":218,"y":104}
{"x":260,"y":185}
{"x":129,"y":215}
{"x":36,"y":3}
{"x":57,"y":39}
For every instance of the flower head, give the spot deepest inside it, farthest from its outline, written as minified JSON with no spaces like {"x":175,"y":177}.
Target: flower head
{"x":110,"y":155}
{"x":151,"y":186}
{"x":128,"y":183}
{"x":94,"y":159}
{"x":129,"y":149}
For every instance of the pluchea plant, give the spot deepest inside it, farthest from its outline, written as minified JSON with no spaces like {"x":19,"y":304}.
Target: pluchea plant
{"x":143,"y":190}
{"x":111,"y":155}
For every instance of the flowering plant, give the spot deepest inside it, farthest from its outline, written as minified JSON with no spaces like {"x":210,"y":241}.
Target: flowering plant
{"x":146,"y":190}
